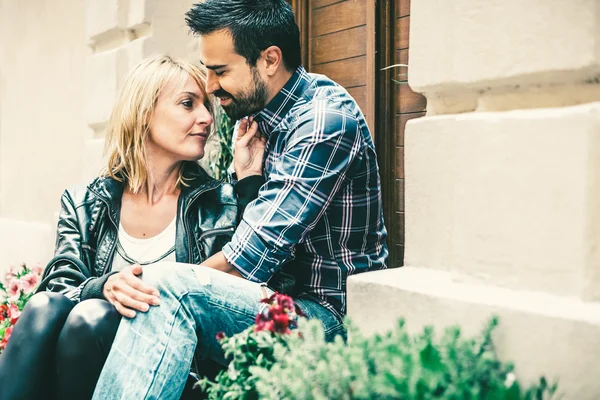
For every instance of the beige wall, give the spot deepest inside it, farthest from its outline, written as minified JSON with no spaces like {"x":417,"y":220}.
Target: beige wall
{"x":502,"y":194}
{"x":42,"y":130}
{"x":61,"y":65}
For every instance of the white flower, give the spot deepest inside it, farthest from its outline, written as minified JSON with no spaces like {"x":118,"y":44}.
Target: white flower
{"x":510,"y":379}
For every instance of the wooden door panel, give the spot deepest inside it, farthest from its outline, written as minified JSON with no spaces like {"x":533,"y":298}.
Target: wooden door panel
{"x":348,"y":73}
{"x":340,"y":45}
{"x":338,"y":16}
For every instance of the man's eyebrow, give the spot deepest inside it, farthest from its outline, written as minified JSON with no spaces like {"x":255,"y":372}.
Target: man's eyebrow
{"x":213,"y":67}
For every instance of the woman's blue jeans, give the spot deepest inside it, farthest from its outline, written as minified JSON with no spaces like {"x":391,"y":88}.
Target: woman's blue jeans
{"x":152,"y":353}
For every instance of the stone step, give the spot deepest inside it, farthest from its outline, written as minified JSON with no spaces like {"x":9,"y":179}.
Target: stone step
{"x":543,"y":334}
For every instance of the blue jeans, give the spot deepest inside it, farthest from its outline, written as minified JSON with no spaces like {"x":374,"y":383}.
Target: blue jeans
{"x":152,"y":353}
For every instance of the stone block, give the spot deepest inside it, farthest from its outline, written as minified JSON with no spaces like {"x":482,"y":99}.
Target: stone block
{"x":170,"y":34}
{"x":543,"y":334}
{"x":485,"y":44}
{"x":105,"y":73}
{"x":510,"y":197}
{"x":138,"y":13}
{"x":105,"y":17}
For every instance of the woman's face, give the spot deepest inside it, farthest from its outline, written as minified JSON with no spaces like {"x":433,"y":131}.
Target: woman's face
{"x":180,"y":123}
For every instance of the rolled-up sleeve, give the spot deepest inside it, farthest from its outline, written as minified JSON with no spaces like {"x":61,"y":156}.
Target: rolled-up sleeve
{"x":322,"y":148}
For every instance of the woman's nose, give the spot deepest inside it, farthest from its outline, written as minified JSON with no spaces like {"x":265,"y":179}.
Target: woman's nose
{"x":204,"y":117}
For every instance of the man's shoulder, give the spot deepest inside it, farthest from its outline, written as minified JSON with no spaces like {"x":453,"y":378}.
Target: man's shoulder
{"x":321,"y":96}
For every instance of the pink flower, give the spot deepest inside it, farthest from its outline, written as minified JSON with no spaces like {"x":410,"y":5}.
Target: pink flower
{"x":221,"y":336}
{"x":30,"y":282}
{"x":14,"y":289}
{"x":13,"y":313}
{"x":37,"y":269}
{"x":11,"y":273}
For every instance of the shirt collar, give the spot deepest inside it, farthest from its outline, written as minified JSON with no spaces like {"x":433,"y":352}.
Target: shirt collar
{"x":276,"y":110}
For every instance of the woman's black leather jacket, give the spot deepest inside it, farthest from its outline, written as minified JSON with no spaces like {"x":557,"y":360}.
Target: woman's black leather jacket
{"x":207,"y":214}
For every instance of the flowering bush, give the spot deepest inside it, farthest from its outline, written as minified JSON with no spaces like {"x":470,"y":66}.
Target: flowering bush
{"x":252,"y":348}
{"x":269,"y":362}
{"x":16,"y":289}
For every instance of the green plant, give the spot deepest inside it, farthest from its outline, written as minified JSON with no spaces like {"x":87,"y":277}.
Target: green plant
{"x":396,"y":365}
{"x":222,"y":158}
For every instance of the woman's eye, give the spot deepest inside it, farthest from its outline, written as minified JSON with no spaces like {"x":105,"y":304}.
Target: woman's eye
{"x":188,"y":103}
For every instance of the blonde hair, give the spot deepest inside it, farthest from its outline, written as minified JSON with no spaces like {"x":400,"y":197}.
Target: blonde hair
{"x":128,"y":127}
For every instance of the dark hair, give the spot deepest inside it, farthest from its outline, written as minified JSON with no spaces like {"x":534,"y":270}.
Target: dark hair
{"x":254,"y":25}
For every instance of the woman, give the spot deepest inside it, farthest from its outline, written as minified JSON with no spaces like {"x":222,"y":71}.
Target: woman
{"x":152,"y":203}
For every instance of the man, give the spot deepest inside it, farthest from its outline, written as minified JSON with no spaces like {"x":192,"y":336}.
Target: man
{"x":317,"y":219}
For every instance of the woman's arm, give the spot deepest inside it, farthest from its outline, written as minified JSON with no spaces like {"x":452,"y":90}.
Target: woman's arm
{"x":67,"y":272}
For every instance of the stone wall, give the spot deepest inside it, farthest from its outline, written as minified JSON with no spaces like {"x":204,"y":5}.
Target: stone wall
{"x":61,"y":65}
{"x":503,"y":185}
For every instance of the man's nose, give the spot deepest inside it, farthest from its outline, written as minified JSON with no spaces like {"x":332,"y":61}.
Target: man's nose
{"x":212,"y":84}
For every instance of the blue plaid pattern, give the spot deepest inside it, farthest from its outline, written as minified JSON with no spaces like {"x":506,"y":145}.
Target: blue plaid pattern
{"x":319,"y":215}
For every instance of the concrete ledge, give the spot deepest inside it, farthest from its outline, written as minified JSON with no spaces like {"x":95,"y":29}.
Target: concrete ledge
{"x":508,"y":196}
{"x":558,"y":337}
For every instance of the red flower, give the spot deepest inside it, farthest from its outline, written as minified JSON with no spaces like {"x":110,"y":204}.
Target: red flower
{"x":280,"y":316}
{"x":281,"y":322}
{"x":3,"y":312}
{"x":7,"y":334}
{"x":220,"y":336}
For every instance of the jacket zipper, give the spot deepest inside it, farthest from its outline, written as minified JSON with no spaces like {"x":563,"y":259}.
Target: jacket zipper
{"x":114,"y":245}
{"x":214,"y":232}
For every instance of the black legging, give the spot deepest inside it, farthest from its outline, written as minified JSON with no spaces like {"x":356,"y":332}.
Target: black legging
{"x":57,"y":350}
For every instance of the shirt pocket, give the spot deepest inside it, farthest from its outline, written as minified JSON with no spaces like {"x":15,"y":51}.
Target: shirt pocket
{"x":211,"y":241}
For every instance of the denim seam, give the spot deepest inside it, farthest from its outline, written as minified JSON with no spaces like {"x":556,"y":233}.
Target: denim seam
{"x":235,"y":310}
{"x":165,"y":348}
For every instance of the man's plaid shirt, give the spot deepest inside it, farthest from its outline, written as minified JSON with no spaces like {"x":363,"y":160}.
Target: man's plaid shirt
{"x":319,"y":215}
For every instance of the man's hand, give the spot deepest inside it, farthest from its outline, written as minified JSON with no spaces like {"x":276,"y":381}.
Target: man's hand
{"x":249,"y":150}
{"x":128,"y":293}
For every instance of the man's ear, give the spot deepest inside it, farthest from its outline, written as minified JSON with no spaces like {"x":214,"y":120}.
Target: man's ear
{"x":273,"y":59}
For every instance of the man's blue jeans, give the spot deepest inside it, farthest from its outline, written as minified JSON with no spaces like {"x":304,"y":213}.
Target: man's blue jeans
{"x":152,"y":353}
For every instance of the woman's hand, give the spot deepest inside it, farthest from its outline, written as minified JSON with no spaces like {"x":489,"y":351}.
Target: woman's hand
{"x":249,"y":150}
{"x":128,"y":293}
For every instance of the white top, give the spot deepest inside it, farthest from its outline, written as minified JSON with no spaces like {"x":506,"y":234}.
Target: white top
{"x":132,"y":250}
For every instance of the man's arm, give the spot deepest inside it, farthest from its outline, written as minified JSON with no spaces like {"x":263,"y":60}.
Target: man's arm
{"x":322,"y":148}
{"x":220,"y":263}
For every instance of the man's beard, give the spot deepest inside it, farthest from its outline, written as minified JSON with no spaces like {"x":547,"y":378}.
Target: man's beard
{"x":253,"y":100}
